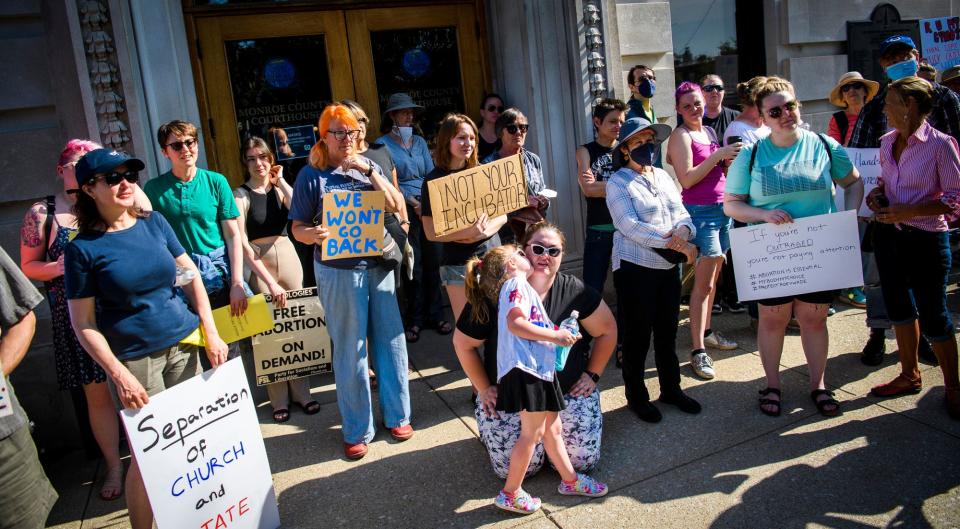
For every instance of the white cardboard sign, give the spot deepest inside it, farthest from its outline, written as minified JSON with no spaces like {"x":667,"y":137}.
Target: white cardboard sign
{"x":202,"y":456}
{"x":808,"y":255}
{"x":867,"y":162}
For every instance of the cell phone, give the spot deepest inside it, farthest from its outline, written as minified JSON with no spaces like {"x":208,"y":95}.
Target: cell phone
{"x":734,"y":139}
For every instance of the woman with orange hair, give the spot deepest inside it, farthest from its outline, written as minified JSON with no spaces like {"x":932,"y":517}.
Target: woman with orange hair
{"x":362,"y":291}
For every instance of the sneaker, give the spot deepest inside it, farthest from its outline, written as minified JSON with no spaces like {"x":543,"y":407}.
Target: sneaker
{"x":831,"y":311}
{"x":734,"y":307}
{"x":853,"y":297}
{"x":717,"y":309}
{"x":702,"y":365}
{"x":715,"y":340}
{"x":583,"y":486}
{"x":521,"y":502}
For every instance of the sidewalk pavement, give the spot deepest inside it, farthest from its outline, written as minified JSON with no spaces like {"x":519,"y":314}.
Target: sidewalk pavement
{"x":883,"y":463}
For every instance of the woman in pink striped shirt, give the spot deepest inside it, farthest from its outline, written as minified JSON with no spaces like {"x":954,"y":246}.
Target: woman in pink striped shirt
{"x":920,"y":183}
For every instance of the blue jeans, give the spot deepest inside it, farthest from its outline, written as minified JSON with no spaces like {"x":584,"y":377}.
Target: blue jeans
{"x":597,"y":249}
{"x":914,"y":266}
{"x":713,"y":229}
{"x":361,"y":306}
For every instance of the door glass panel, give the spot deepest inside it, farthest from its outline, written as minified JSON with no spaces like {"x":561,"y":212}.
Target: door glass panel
{"x":280,"y":85}
{"x":424,"y":63}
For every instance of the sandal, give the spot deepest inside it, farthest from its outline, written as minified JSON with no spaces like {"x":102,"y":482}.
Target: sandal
{"x":828,"y":407}
{"x":281,"y":415}
{"x":412,"y":334}
{"x":444,"y":327}
{"x":766,"y":401}
{"x":310,"y":408}
{"x":112,"y":487}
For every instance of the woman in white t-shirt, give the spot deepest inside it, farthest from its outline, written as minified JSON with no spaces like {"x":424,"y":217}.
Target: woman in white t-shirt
{"x":748,"y":127}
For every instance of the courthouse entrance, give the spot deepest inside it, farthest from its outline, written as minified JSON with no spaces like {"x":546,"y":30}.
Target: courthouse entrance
{"x":270,"y":73}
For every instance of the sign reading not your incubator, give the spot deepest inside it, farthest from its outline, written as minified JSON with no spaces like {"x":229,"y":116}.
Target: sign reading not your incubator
{"x":355,"y":221}
{"x":808,"y":255}
{"x":298,"y":345}
{"x":459,"y":199}
{"x":202,"y":456}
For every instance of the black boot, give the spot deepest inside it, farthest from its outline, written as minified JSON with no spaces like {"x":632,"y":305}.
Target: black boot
{"x":925,"y":352}
{"x":873,"y":352}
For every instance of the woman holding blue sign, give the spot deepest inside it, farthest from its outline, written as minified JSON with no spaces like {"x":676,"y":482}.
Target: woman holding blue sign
{"x":919,"y":185}
{"x":120,"y":273}
{"x":362,"y":291}
{"x":787,"y":176}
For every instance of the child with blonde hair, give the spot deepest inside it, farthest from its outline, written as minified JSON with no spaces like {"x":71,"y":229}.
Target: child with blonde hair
{"x":526,"y":373}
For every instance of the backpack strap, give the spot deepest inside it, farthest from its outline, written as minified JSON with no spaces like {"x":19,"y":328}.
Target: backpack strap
{"x":842,"y":124}
{"x":826,"y":146}
{"x":51,"y":202}
{"x":753,"y":156}
{"x":756,"y":147}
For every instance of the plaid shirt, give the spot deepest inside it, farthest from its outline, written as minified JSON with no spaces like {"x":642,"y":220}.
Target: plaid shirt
{"x":872,"y":123}
{"x":643,"y":212}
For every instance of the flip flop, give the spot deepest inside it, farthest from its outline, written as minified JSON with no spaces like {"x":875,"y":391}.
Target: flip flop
{"x":281,"y":415}
{"x":310,"y":408}
{"x":444,"y":327}
{"x":112,"y":487}
{"x":412,"y":334}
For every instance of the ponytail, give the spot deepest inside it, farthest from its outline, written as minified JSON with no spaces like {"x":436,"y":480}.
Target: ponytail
{"x":474,"y":292}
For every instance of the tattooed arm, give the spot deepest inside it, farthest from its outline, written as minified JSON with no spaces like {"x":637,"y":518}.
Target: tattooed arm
{"x":33,"y":246}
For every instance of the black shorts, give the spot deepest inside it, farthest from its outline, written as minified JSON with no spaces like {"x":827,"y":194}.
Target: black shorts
{"x":824,"y":297}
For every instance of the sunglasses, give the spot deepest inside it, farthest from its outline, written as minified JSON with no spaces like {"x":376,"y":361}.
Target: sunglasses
{"x":178,"y":145}
{"x":552,"y":251}
{"x":512,"y":129}
{"x":494,"y":108}
{"x":847,"y":87}
{"x":341,"y":135}
{"x":789,"y":106}
{"x":713,"y":88}
{"x":114,"y":178}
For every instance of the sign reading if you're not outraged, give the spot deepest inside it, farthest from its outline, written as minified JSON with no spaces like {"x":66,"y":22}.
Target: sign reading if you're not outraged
{"x":298,"y":345}
{"x":459,"y":199}
{"x":355,"y":221}
{"x":807,"y":255}
{"x":202,"y":455}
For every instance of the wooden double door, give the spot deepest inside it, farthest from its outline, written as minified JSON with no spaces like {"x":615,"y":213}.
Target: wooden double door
{"x":270,"y":75}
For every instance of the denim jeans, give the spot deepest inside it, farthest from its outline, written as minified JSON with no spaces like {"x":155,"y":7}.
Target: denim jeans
{"x":648,"y":301}
{"x":597,"y":249}
{"x":914,"y":266}
{"x":876,"y":308}
{"x":361,"y":309}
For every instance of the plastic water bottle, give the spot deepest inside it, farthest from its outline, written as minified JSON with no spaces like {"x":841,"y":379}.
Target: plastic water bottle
{"x":184,"y":276}
{"x":563,"y":351}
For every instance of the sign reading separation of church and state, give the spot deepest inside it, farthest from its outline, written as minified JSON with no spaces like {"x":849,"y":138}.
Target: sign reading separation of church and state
{"x":355,"y":221}
{"x":459,"y":199}
{"x":202,"y":456}
{"x":940,"y":41}
{"x":298,"y":345}
{"x":811,"y":254}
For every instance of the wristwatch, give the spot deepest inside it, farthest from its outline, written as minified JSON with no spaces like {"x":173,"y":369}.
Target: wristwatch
{"x":593,"y":376}
{"x":369,"y":171}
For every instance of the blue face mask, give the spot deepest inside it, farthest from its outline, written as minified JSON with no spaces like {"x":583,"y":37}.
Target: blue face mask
{"x":643,"y":154}
{"x":647,"y":88}
{"x":902,"y":69}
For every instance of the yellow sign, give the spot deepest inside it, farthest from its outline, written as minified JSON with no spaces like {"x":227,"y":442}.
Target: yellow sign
{"x":355,"y":221}
{"x":459,"y":199}
{"x":298,"y":344}
{"x":255,"y":320}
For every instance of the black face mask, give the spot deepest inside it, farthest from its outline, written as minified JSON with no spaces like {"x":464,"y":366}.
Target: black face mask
{"x":643,"y":154}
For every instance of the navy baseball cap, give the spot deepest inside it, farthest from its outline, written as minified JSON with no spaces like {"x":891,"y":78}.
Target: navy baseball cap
{"x":102,"y":161}
{"x":896,"y":40}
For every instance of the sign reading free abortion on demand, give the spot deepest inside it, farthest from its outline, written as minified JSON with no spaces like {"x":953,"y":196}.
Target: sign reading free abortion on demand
{"x":807,"y":255}
{"x":298,"y":345}
{"x":459,"y":199}
{"x":202,"y":456}
{"x":355,"y":221}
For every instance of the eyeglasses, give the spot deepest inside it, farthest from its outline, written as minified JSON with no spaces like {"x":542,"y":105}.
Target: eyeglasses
{"x":341,"y":135}
{"x":494,"y":108}
{"x":114,"y":178}
{"x":789,"y":106}
{"x":713,"y":88}
{"x":552,"y":251}
{"x":847,"y":87}
{"x":522,"y":127}
{"x":178,"y":145}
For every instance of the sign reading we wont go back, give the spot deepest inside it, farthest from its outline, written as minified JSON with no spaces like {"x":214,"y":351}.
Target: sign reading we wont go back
{"x":459,"y":199}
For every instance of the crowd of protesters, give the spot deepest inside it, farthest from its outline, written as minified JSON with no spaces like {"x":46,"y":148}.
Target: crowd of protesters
{"x":130,"y":272}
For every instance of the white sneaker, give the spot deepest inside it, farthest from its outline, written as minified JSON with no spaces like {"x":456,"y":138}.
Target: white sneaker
{"x":719,"y":341}
{"x":702,"y":365}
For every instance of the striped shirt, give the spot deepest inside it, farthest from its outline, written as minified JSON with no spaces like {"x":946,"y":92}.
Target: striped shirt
{"x":644,"y":210}
{"x":928,"y":170}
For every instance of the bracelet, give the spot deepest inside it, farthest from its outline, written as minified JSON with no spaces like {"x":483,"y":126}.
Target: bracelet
{"x":404,"y":222}
{"x":593,"y":376}
{"x":369,"y":172}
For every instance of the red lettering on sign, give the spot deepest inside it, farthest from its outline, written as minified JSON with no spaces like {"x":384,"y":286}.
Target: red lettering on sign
{"x":224,"y":519}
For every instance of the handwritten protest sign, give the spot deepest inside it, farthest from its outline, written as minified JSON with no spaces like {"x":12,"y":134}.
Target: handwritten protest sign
{"x":202,"y":456}
{"x":808,"y":255}
{"x":6,"y":401}
{"x":940,"y":41}
{"x":458,"y":199}
{"x":867,"y":162}
{"x":355,"y":221}
{"x":232,"y":328}
{"x":298,"y":345}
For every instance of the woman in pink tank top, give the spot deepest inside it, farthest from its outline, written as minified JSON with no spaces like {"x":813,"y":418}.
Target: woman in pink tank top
{"x":699,"y":162}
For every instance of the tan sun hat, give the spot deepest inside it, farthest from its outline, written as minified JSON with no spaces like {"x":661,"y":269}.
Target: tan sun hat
{"x":950,"y":73}
{"x":852,"y":77}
